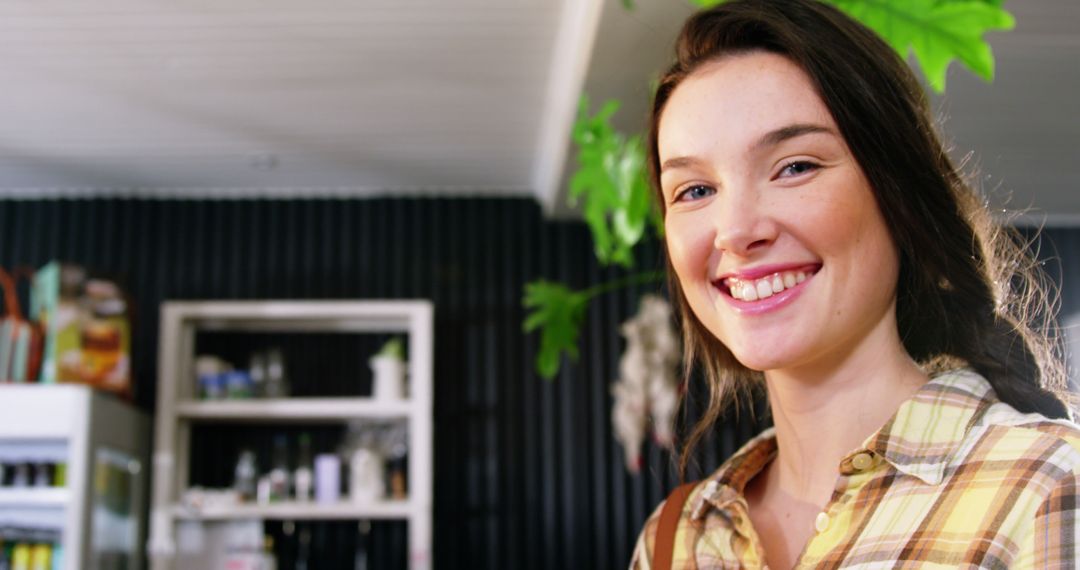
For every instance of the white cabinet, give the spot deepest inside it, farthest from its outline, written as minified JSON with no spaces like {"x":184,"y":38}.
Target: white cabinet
{"x":179,"y":408}
{"x":103,"y":444}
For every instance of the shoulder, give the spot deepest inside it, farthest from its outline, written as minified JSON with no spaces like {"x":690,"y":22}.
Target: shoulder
{"x":1039,"y":470}
{"x":981,"y":431}
{"x":1031,"y":455}
{"x":1010,"y":434}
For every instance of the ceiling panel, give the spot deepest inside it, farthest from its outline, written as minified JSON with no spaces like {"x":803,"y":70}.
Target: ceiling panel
{"x":377,"y":96}
{"x":272,"y":97}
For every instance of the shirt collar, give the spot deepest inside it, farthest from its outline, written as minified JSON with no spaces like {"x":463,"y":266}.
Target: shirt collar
{"x":726,"y":485}
{"x":929,"y":428}
{"x":919,"y":440}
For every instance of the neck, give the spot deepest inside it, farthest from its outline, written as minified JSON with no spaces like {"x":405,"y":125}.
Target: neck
{"x":826,"y":409}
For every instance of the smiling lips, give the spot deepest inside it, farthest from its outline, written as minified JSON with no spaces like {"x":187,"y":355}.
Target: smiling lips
{"x":754,"y":288}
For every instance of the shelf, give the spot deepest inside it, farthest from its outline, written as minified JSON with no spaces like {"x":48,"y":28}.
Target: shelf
{"x":50,"y":497}
{"x":294,"y":409}
{"x":300,"y":511}
{"x":179,"y":411}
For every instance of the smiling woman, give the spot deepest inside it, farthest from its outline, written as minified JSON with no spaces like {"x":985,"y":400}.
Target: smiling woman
{"x":822,"y":244}
{"x":770,"y":192}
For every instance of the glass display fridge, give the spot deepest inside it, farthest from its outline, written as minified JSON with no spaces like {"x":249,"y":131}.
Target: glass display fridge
{"x":73,"y":476}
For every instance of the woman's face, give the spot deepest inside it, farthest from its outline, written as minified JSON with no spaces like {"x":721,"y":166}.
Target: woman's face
{"x":772,"y":228}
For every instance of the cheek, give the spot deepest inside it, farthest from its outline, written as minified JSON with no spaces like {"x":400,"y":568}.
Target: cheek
{"x":688,"y":246}
{"x":852,"y":225}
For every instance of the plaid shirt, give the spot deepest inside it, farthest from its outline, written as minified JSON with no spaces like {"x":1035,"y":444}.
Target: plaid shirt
{"x":955,"y":479}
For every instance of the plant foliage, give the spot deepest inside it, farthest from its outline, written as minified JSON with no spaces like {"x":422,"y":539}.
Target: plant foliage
{"x":612,"y":180}
{"x":557,"y":312}
{"x":937,"y":31}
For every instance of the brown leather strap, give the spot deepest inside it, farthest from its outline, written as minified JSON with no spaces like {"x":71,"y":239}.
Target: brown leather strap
{"x":664,"y":549}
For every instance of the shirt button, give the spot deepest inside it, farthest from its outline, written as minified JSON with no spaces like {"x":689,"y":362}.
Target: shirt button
{"x":821,"y":523}
{"x":862,"y":461}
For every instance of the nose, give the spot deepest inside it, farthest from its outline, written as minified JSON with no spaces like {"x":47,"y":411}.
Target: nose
{"x":743,"y":224}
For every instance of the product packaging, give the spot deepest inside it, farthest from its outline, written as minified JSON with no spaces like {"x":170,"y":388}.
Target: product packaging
{"x":87,"y":328}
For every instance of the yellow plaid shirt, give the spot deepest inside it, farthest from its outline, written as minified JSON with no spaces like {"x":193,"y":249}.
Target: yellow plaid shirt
{"x":955,"y":479}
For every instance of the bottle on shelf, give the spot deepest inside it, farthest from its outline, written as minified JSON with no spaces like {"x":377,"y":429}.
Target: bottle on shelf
{"x":41,"y":556}
{"x":57,"y":556}
{"x":20,"y":556}
{"x":366,"y":467}
{"x":60,"y":475}
{"x":327,"y":478}
{"x":279,"y":475}
{"x":257,"y":370}
{"x":43,"y":475}
{"x":397,"y":460}
{"x":302,"y":477}
{"x":238,"y":385}
{"x":277,"y":384}
{"x":244,"y":481}
{"x":21,"y":474}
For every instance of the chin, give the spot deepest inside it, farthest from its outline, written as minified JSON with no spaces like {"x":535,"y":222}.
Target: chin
{"x":762,"y":361}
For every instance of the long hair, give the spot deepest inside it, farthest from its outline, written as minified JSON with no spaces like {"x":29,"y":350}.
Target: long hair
{"x":968,"y":291}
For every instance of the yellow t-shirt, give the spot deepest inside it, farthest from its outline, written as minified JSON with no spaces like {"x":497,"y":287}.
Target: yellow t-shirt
{"x":955,"y":479}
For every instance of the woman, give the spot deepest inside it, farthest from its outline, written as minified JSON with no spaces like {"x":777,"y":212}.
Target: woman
{"x":821,"y":243}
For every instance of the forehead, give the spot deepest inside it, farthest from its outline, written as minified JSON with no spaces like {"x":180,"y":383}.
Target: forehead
{"x":729,"y":103}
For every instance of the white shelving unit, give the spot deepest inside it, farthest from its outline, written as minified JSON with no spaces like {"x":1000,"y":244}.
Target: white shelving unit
{"x":299,"y":511}
{"x":178,"y":408}
{"x":87,"y":431}
{"x":308,"y":410}
{"x":46,"y":498}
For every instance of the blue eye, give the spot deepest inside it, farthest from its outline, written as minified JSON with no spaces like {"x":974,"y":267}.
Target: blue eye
{"x":695,"y":192}
{"x":797,"y":168}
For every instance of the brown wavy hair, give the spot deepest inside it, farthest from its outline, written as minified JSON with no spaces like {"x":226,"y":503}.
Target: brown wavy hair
{"x":969,"y":292}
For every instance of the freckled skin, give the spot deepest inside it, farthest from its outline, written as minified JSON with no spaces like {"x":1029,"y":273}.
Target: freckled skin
{"x":752,"y":212}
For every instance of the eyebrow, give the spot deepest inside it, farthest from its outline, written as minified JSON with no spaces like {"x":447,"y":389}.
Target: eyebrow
{"x":771,"y":138}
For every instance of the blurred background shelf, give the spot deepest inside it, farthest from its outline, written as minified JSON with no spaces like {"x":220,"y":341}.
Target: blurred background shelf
{"x":294,"y":409}
{"x":181,"y":415}
{"x":297,"y":511}
{"x":56,"y":497}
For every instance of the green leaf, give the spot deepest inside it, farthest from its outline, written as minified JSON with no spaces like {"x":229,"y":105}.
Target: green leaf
{"x":557,"y":312}
{"x":938,"y":31}
{"x":612,"y":182}
{"x":706,"y":3}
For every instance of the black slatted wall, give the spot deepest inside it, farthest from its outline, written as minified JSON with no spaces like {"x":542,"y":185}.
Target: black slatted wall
{"x":528,"y":475}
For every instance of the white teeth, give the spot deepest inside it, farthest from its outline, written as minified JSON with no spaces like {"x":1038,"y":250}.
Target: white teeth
{"x":749,"y":293}
{"x":764,"y":288}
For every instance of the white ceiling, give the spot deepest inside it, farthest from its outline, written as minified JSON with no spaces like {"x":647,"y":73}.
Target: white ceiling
{"x":461,"y":97}
{"x":276,"y":96}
